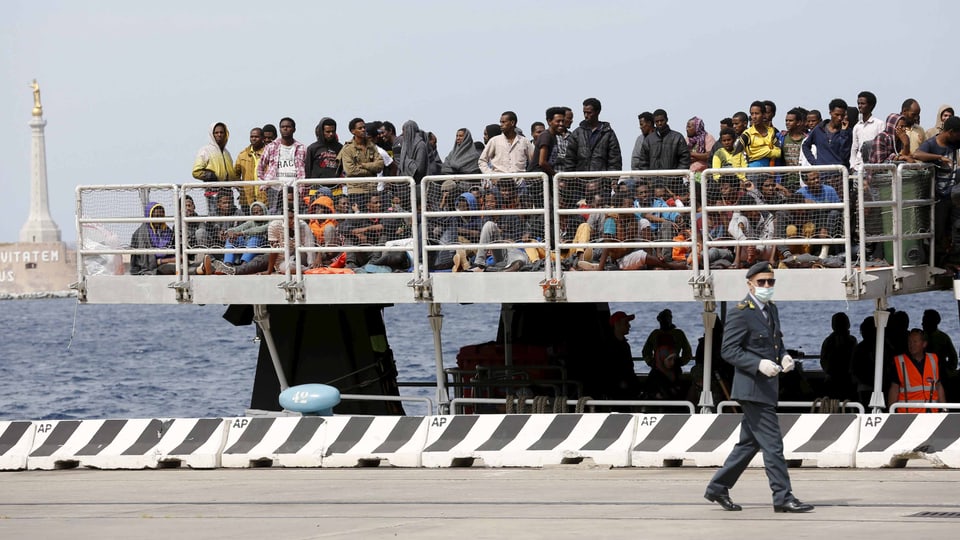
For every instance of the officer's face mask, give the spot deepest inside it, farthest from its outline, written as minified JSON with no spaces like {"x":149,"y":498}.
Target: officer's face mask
{"x":763,"y":294}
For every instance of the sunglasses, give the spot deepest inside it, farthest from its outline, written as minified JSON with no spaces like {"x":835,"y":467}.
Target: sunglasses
{"x":766,"y":282}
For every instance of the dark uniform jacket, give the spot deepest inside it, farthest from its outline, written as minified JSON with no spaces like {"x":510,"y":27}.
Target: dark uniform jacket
{"x":749,"y":337}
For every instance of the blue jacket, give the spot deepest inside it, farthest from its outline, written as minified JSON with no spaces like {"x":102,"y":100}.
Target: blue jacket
{"x":748,"y":337}
{"x":831,"y":149}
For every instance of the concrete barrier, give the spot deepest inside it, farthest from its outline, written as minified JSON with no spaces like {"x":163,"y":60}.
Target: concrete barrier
{"x":285,"y":441}
{"x":890,"y":440}
{"x":354,"y":441}
{"x":528,"y":440}
{"x":705,"y":440}
{"x":127,"y":444}
{"x":16,"y":438}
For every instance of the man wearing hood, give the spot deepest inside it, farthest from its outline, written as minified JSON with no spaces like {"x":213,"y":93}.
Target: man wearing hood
{"x":321,"y":160}
{"x":153,"y":236}
{"x":247,"y":161}
{"x":214,"y":162}
{"x":944,"y":112}
{"x":664,"y":149}
{"x":413,"y":151}
{"x":462,"y":159}
{"x":283,"y":159}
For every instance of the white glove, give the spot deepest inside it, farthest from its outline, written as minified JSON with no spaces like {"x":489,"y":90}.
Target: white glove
{"x":769,"y":368}
{"x":787,"y":363}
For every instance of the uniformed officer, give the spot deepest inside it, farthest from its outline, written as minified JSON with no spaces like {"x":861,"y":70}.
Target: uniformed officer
{"x":753,"y":343}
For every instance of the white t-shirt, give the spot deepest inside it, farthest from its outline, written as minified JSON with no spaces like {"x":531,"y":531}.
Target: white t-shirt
{"x":286,"y":164}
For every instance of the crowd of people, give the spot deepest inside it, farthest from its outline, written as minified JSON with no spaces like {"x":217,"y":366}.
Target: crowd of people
{"x":642,"y":208}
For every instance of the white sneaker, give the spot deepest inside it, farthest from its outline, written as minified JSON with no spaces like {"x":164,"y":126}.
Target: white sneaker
{"x":220,"y":267}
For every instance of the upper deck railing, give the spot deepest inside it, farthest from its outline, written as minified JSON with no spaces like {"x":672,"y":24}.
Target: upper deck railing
{"x":511,"y":237}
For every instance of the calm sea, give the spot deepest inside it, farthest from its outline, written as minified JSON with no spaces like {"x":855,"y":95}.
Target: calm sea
{"x":135,"y":361}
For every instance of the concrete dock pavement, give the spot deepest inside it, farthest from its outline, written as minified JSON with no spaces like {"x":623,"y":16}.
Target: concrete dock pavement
{"x":557,"y":502}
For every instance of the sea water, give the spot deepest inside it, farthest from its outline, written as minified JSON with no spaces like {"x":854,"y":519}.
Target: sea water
{"x":61,"y":360}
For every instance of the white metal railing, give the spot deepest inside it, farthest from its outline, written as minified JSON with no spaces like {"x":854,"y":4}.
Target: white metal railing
{"x":759,"y":173}
{"x":429,"y":186}
{"x":95,"y":213}
{"x":386,"y":187}
{"x":882,"y":197}
{"x":196,"y":192}
{"x":688,"y":211}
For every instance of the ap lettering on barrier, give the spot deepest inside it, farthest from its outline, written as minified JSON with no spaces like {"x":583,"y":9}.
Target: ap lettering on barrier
{"x":44,"y":428}
{"x":439,"y":421}
{"x":873,"y":421}
{"x":240,"y":423}
{"x":649,"y":421}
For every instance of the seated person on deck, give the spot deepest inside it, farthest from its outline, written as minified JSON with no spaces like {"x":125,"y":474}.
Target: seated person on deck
{"x":153,"y":236}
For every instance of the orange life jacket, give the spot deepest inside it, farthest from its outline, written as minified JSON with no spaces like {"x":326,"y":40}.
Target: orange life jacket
{"x":918,"y":387}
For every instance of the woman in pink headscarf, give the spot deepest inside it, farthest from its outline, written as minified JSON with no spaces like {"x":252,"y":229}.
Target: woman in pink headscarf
{"x":700,"y":143}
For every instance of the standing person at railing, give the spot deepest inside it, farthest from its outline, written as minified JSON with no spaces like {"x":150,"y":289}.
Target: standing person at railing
{"x":246,"y":169}
{"x":508,"y":152}
{"x":214,"y":162}
{"x":866,"y":129}
{"x":700,"y":144}
{"x":284,"y":159}
{"x":321,"y":159}
{"x":413,"y":152}
{"x":910,"y":111}
{"x":665,"y":149}
{"x":831,"y":138}
{"x":359,"y":158}
{"x":593,"y":146}
{"x":646,"y":126}
{"x":753,"y":343}
{"x":918,"y":376}
{"x":892,"y":144}
{"x":944,"y":112}
{"x":942,"y":152}
{"x":759,"y":141}
{"x":463,"y":157}
{"x":792,"y":146}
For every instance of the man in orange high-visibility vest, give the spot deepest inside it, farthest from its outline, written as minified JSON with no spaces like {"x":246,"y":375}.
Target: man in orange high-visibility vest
{"x":918,"y":375}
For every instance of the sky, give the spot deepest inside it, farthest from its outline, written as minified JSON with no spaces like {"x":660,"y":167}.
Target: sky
{"x":130,"y":88}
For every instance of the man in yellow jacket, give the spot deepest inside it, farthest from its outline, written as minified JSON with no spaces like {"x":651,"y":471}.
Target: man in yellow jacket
{"x":213,"y":162}
{"x":247,"y":161}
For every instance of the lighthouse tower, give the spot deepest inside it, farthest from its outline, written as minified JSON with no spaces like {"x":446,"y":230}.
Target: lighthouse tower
{"x":39,"y":227}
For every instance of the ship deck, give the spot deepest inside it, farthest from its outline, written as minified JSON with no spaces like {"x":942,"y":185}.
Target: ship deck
{"x":903,"y":225}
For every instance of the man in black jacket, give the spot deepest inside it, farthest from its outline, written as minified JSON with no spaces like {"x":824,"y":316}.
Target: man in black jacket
{"x":664,"y":149}
{"x":591,"y":147}
{"x":321,"y":159}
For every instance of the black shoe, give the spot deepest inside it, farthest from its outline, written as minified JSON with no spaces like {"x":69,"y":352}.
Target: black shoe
{"x":725,"y":502}
{"x":793,"y":507}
